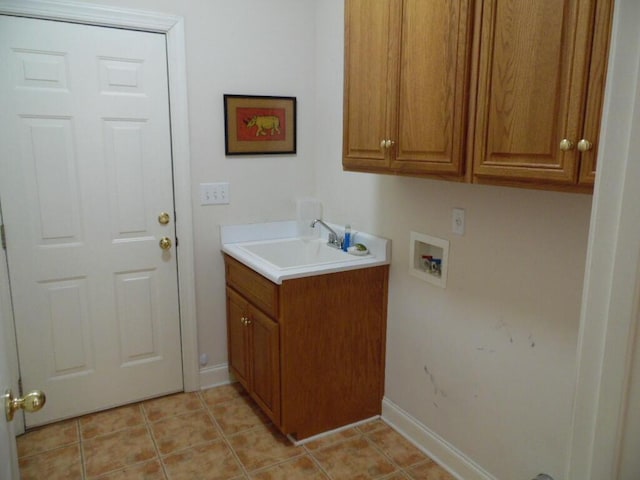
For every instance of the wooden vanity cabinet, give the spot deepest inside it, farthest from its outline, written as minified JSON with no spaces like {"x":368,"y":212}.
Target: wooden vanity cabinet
{"x":406,"y":86}
{"x":311,"y":351}
{"x":476,"y":91}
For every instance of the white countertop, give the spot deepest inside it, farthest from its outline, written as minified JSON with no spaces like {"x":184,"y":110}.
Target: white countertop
{"x":235,"y":238}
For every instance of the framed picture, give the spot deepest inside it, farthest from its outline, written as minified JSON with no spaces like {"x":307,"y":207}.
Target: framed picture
{"x":258,"y":125}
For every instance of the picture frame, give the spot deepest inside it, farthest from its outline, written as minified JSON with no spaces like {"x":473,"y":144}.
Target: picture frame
{"x":259,"y":125}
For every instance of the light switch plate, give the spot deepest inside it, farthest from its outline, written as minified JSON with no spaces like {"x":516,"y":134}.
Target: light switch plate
{"x":214,"y":193}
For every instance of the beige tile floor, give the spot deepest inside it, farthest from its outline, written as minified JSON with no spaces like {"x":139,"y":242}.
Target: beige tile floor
{"x":214,"y":434}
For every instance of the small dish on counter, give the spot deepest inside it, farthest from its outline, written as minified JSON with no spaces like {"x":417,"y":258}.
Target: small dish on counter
{"x":359,"y":250}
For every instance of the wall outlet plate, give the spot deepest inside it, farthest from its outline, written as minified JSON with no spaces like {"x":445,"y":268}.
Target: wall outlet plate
{"x":457,"y":221}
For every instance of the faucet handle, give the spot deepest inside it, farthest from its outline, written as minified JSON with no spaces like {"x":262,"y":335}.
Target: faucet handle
{"x":334,"y":240}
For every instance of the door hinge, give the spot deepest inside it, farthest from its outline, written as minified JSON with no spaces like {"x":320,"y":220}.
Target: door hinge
{"x":20,"y":392}
{"x":3,"y":238}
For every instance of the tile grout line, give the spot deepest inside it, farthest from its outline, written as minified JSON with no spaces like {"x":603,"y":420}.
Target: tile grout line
{"x":147,"y":424}
{"x":317,"y":462}
{"x":376,"y":447}
{"x":359,"y":433}
{"x":265,"y":423}
{"x":380,"y":450}
{"x":123,"y":467}
{"x":83,"y":467}
{"x":223,"y":436}
{"x":365,"y":436}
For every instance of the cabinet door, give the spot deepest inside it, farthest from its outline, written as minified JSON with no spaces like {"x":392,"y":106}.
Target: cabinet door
{"x":238,"y":337}
{"x":531,"y":89}
{"x":371,"y":59}
{"x":265,"y":360}
{"x":595,"y":94}
{"x":433,"y":87}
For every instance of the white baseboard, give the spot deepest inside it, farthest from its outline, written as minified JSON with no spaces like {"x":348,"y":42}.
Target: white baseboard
{"x":214,"y":376}
{"x":438,"y":449}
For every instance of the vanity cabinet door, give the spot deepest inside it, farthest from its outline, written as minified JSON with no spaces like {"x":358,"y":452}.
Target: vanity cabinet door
{"x":265,"y":361}
{"x":238,"y":338}
{"x":254,"y":352}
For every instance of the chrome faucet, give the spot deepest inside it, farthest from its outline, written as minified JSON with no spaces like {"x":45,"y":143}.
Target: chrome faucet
{"x":334,"y":239}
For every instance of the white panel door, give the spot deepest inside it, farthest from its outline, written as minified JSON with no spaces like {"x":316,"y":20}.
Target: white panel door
{"x":85,"y":171}
{"x":8,"y":449}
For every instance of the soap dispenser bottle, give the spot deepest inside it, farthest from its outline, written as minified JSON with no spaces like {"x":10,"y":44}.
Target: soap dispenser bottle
{"x":347,"y":238}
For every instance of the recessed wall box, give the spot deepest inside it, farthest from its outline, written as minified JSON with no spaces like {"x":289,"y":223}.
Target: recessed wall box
{"x":428,"y":258}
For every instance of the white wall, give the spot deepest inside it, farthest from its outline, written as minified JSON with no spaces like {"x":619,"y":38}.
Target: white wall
{"x":499,"y":343}
{"x":488,"y":364}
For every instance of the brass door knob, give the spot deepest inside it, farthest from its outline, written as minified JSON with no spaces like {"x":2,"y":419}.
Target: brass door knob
{"x":584,"y":145}
{"x":31,"y":402}
{"x":165,"y":243}
{"x":566,"y":145}
{"x":164,"y":218}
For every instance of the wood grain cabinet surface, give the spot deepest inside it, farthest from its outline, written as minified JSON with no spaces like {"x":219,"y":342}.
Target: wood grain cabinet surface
{"x":312,"y":354}
{"x":476,"y":91}
{"x":406,"y":84}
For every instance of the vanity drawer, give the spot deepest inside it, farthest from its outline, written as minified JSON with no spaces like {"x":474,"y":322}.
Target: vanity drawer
{"x":254,"y":287}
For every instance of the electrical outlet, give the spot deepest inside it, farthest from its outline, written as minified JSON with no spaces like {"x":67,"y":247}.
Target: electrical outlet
{"x":457,"y":221}
{"x":214,"y":193}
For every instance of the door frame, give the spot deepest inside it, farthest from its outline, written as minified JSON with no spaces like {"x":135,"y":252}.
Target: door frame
{"x":172,"y":27}
{"x":609,"y":313}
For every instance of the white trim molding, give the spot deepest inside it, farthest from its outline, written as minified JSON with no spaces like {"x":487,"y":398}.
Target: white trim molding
{"x":173,"y":28}
{"x":433,"y":445}
{"x":215,"y":376}
{"x":608,"y":315}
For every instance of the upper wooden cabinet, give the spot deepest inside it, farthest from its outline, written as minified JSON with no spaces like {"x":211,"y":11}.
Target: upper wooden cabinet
{"x":481,"y":91}
{"x":538,"y":109}
{"x":406,"y":83}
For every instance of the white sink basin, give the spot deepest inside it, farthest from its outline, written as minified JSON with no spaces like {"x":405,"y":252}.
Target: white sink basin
{"x":297,"y":252}
{"x":275,"y":251}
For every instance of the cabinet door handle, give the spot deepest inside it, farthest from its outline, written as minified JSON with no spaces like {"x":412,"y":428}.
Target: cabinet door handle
{"x":584,"y":145}
{"x":243,"y":320}
{"x":566,"y":145}
{"x":386,"y":143}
